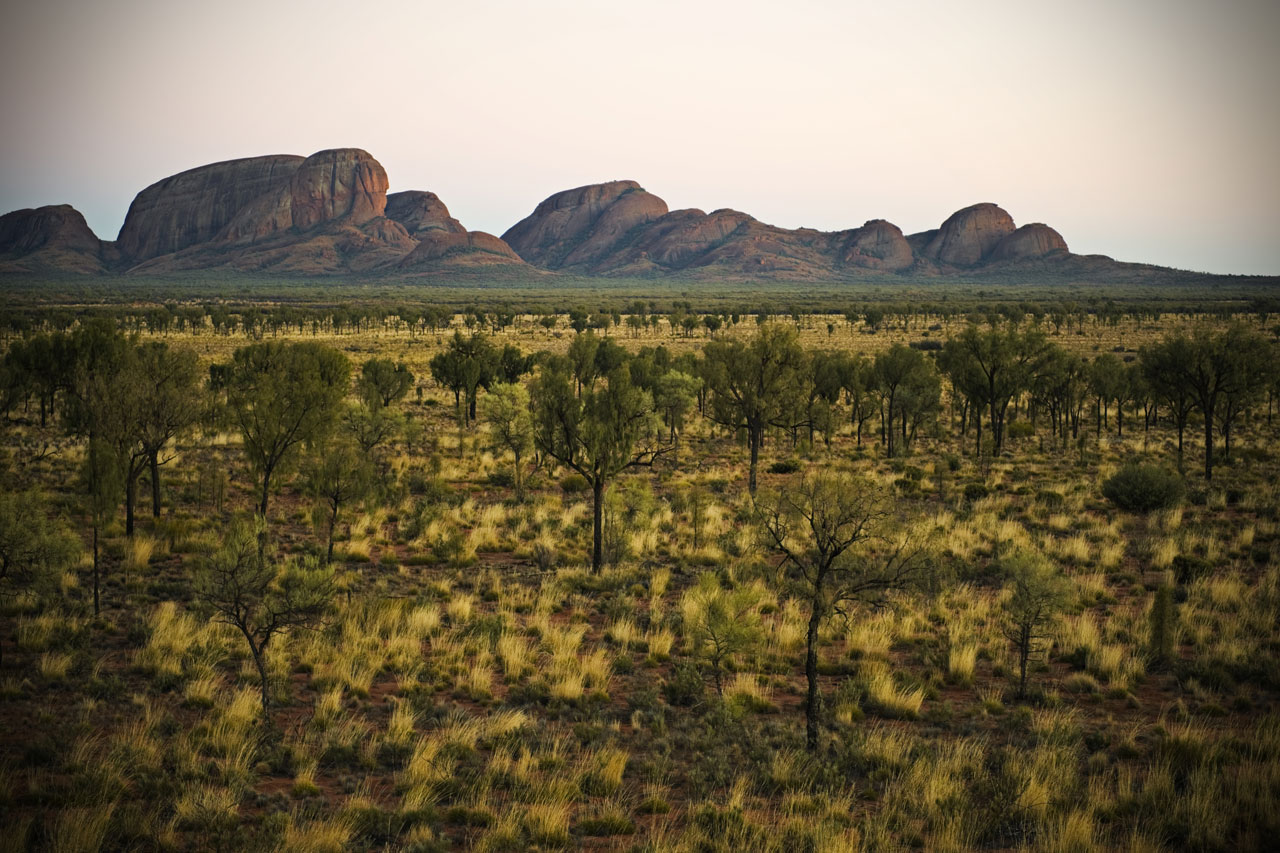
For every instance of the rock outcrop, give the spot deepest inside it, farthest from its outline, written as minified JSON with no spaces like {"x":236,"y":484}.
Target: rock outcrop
{"x":618,"y":228}
{"x":54,"y":238}
{"x":877,"y":245}
{"x":1029,"y":241}
{"x":330,"y":213}
{"x":579,"y":227}
{"x":419,"y":212}
{"x":194,"y":207}
{"x":327,"y":213}
{"x":968,"y":236}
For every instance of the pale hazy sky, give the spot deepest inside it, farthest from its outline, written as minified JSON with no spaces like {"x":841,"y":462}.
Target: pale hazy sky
{"x":1149,"y":131}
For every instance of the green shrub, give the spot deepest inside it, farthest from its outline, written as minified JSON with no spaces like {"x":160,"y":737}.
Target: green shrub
{"x":573,"y":484}
{"x":785,"y":466}
{"x":1143,"y":488}
{"x":685,"y":686}
{"x":975,"y":492}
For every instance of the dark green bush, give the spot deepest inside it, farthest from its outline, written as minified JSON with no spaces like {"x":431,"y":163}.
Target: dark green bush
{"x":685,"y":686}
{"x":573,"y":484}
{"x":975,"y":492}
{"x":785,"y":466}
{"x":1143,"y":488}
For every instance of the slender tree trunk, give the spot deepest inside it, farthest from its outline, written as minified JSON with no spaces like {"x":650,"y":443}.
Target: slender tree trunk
{"x":258,"y":653}
{"x":266,"y":490}
{"x":1024,"y":653}
{"x":753,"y":439}
{"x":519,"y":481}
{"x":130,"y":498}
{"x":333,"y":524}
{"x":1182,"y":424}
{"x":1208,"y":446}
{"x":96,"y":608}
{"x":155,"y":484}
{"x":812,"y":707}
{"x":597,"y":549}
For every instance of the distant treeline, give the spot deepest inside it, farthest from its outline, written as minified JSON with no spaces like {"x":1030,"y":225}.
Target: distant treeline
{"x":687,"y":316}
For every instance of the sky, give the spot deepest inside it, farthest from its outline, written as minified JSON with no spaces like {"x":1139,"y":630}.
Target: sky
{"x":1144,"y":130}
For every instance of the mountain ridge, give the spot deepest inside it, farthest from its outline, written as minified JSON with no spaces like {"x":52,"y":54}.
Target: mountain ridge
{"x":330,"y":214}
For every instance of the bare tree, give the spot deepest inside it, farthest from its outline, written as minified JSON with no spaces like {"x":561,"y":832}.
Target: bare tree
{"x":260,"y":597}
{"x":837,"y":554}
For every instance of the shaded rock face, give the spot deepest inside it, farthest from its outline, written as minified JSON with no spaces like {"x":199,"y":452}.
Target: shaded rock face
{"x":969,"y":235}
{"x":617,"y":228}
{"x":578,"y":227}
{"x":339,"y":183}
{"x":877,"y":245}
{"x":324,"y":213}
{"x":420,"y":211}
{"x":1029,"y":241}
{"x":330,"y":213}
{"x":55,"y":237}
{"x":194,"y":206}
{"x":439,"y":244}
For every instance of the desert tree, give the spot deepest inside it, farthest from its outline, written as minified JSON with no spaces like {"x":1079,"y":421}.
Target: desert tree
{"x":993,"y":366}
{"x":338,"y":475}
{"x":171,"y":404}
{"x":243,"y":586}
{"x":506,"y":409}
{"x":674,"y":395}
{"x":1250,"y":361}
{"x":1221,"y":370}
{"x":858,"y":380}
{"x":33,"y":547}
{"x":383,"y":382}
{"x":756,"y":384}
{"x":607,"y":430}
{"x":371,"y":426}
{"x":1040,"y":593}
{"x":1165,"y":366}
{"x":280,"y":396}
{"x":467,"y":364}
{"x":833,"y":533}
{"x":910,"y":392}
{"x":720,"y":623}
{"x":582,"y":360}
{"x":102,"y":482}
{"x":1107,"y":382}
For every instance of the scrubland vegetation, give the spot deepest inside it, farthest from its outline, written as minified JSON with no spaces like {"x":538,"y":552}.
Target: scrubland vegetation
{"x":289,"y":579}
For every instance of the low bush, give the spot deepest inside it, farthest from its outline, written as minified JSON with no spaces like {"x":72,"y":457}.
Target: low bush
{"x":785,"y":466}
{"x":1143,"y":488}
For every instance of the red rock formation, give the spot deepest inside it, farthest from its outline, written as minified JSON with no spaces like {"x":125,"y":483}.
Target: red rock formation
{"x":969,"y":235}
{"x":877,"y":245}
{"x":192,"y":207}
{"x":420,"y":211}
{"x":330,"y":213}
{"x":1029,"y":241}
{"x":577,"y":227}
{"x":341,"y":183}
{"x":52,"y":238}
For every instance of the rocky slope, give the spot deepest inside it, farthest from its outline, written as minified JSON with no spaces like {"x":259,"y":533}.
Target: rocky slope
{"x":618,"y":228}
{"x":327,"y":213}
{"x":330,"y":214}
